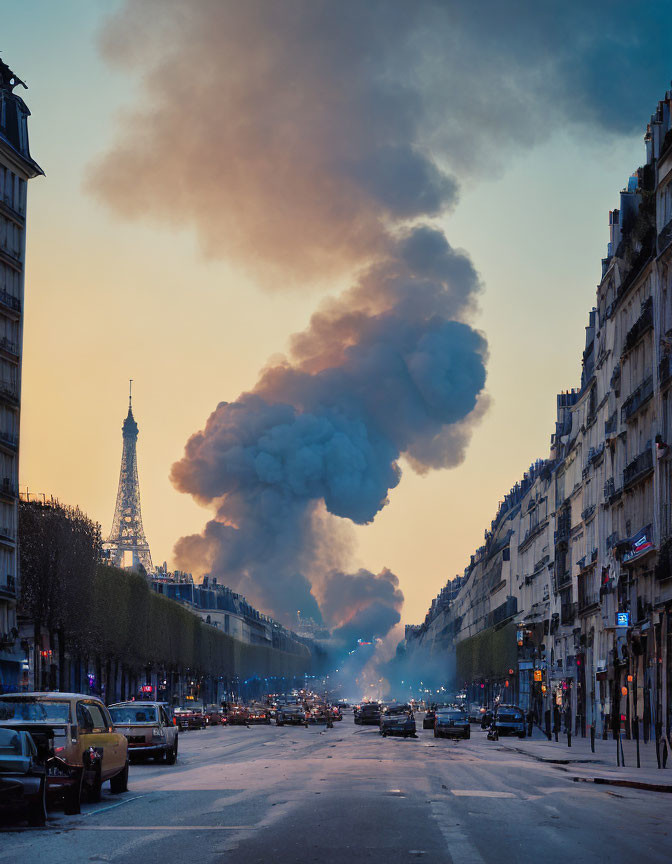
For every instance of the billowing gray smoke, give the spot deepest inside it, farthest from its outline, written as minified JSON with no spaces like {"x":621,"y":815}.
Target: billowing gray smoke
{"x":380,"y":372}
{"x":308,"y":138}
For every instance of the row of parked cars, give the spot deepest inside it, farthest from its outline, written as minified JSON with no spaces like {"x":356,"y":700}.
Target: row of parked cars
{"x":59,"y":748}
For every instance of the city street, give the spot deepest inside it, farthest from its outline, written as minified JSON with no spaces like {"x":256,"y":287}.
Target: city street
{"x":269,"y":794}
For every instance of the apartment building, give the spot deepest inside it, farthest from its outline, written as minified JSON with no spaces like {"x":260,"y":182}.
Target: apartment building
{"x":16,"y":168}
{"x":567,"y":607}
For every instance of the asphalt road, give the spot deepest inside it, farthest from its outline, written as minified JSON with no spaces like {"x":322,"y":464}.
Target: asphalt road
{"x":295,"y":795}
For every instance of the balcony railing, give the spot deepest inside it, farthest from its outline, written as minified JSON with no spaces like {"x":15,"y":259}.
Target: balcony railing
{"x":640,"y":327}
{"x":611,"y":425}
{"x":9,"y":390}
{"x":9,"y":301}
{"x":638,"y":469}
{"x":665,"y":237}
{"x":637,"y":398}
{"x":587,"y":600}
{"x":587,"y":513}
{"x":9,"y":346}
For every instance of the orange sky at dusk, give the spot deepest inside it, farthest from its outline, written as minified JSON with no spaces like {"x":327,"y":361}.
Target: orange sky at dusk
{"x":108,"y":300}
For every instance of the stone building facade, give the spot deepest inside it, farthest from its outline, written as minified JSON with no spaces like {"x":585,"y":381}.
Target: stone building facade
{"x":574,"y":581}
{"x":16,"y":168}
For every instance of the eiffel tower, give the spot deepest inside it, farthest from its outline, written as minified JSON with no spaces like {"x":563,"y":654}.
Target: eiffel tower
{"x":127,"y":544}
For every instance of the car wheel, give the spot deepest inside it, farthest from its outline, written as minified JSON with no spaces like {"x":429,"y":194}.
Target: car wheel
{"x":95,"y":789}
{"x":73,"y":797}
{"x":171,"y":755}
{"x":37,"y":809}
{"x":119,"y":783}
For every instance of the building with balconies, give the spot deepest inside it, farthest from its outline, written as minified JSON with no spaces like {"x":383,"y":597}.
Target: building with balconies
{"x":17,"y":167}
{"x":586,"y":572}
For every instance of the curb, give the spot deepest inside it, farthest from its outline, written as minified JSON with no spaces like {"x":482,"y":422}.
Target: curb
{"x":630,"y":784}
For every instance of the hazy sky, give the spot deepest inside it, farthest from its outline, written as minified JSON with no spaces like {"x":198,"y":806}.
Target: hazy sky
{"x":107,"y":300}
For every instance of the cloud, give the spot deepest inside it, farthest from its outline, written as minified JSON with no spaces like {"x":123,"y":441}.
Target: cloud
{"x":309,"y":139}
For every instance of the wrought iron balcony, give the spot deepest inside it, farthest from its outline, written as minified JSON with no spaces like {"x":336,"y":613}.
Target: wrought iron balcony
{"x":638,"y":469}
{"x":9,"y":390}
{"x":9,"y":301}
{"x":665,"y":237}
{"x":640,"y":327}
{"x":588,"y":600}
{"x":637,"y":398}
{"x":587,"y":513}
{"x":9,"y":346}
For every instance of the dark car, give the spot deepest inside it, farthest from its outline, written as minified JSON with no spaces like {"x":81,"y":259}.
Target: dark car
{"x":451,"y":723}
{"x":510,"y":720}
{"x":258,"y":714}
{"x":397,"y":720}
{"x":238,"y":715}
{"x":189,"y":718}
{"x":23,"y":777}
{"x":367,"y":714}
{"x":430,"y":715}
{"x":290,"y":715}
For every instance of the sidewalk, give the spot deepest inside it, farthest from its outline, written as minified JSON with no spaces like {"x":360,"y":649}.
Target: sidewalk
{"x":600,"y":766}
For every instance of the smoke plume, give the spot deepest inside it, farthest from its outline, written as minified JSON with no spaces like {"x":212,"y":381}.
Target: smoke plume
{"x":306,"y":139}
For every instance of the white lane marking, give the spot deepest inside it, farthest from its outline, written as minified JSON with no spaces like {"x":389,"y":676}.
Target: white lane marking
{"x":460,"y":847}
{"x":112,"y":806}
{"x":160,"y":828}
{"x":481,"y":793}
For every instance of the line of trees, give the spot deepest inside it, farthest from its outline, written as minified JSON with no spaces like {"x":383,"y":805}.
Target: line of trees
{"x":110,"y":620}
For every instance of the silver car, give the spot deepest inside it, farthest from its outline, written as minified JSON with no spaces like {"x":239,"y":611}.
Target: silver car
{"x":148,"y":729}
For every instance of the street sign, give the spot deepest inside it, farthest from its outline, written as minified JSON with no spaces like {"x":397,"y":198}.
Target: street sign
{"x":622,"y":619}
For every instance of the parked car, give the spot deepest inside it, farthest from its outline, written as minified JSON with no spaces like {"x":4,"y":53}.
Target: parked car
{"x":476,"y":712}
{"x":23,"y":777}
{"x":147,"y":728}
{"x":397,"y":720}
{"x":336,"y":712}
{"x":318,"y":713}
{"x":214,"y":715}
{"x":510,"y":720}
{"x":290,"y":715}
{"x":430,"y":715}
{"x":74,"y":734}
{"x":451,"y":723}
{"x":258,"y":714}
{"x":238,"y":715}
{"x":187,"y":718}
{"x":367,"y":714}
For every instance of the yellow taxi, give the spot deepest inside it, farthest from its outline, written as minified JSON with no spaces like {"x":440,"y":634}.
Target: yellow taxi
{"x":76,"y":736}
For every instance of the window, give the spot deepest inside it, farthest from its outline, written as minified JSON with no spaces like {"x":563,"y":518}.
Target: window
{"x":90,"y":717}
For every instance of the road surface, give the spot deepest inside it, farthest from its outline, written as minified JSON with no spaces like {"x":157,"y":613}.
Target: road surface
{"x":295,"y":795}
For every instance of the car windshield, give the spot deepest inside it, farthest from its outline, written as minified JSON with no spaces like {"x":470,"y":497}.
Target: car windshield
{"x":398,"y":709}
{"x":31,"y":710}
{"x":134,"y":714}
{"x":452,"y":715}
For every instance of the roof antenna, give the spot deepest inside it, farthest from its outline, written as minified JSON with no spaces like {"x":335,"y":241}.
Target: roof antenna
{"x":130,"y":392}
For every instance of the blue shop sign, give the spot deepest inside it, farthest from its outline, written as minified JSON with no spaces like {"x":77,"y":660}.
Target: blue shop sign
{"x":622,"y":619}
